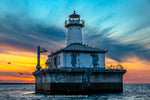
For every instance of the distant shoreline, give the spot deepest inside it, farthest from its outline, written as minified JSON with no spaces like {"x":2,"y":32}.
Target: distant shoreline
{"x":16,"y":83}
{"x":34,"y":83}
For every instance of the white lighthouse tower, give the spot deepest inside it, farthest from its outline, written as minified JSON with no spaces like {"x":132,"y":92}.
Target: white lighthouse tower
{"x":76,"y":53}
{"x":74,"y":26}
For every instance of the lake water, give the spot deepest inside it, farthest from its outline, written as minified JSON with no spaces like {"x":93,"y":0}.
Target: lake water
{"x":26,"y":92}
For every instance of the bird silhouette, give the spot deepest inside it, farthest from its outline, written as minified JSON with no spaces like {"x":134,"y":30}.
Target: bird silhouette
{"x":20,"y":73}
{"x":9,"y":63}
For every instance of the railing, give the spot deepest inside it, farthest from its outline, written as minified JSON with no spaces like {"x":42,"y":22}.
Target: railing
{"x":118,"y":66}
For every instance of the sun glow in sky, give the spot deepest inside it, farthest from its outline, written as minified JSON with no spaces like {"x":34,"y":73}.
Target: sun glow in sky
{"x":121,"y":26}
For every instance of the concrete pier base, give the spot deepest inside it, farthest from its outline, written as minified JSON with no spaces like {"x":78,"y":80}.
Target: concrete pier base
{"x":79,"y":81}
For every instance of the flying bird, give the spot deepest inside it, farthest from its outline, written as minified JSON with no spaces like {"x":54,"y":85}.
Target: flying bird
{"x":20,"y":73}
{"x":9,"y":63}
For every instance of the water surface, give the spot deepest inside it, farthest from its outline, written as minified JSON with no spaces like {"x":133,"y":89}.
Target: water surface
{"x":26,"y":92}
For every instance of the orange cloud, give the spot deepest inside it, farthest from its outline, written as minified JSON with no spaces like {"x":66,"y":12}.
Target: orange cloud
{"x":24,"y":62}
{"x":138,"y":71}
{"x":11,"y":79}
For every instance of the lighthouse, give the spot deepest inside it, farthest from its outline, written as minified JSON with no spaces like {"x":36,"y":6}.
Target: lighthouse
{"x":76,"y":53}
{"x":74,"y":26}
{"x":77,"y":68}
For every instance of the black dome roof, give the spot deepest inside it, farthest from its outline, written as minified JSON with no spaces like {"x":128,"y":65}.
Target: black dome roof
{"x":74,"y":15}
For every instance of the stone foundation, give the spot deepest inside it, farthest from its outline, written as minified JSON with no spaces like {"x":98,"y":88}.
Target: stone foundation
{"x":79,"y":81}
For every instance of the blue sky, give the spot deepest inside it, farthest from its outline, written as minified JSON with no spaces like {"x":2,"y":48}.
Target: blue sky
{"x":121,"y":26}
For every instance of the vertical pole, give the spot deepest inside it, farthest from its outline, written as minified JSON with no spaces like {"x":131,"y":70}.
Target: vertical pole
{"x":38,"y":67}
{"x":38,"y":56}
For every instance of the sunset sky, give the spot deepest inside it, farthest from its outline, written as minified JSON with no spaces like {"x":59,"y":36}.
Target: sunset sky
{"x":121,"y":26}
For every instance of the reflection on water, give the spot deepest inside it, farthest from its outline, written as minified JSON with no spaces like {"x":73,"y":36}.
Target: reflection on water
{"x":26,"y":92}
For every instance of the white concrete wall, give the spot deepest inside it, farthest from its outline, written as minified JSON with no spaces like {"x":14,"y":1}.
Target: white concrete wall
{"x":38,"y":79}
{"x":83,"y":60}
{"x":66,"y":77}
{"x":67,"y":60}
{"x":43,"y":79}
{"x":78,"y":77}
{"x":96,"y":78}
{"x":47,"y":78}
{"x":74,"y":35}
{"x":61,"y":60}
{"x":101,"y":60}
